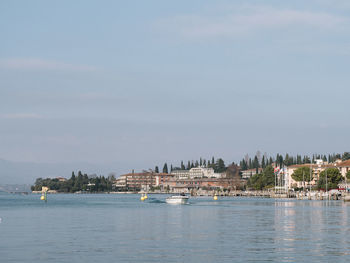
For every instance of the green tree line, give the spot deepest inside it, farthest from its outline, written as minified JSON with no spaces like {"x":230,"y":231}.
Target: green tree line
{"x":262,"y":161}
{"x":80,"y":182}
{"x":217,"y":164}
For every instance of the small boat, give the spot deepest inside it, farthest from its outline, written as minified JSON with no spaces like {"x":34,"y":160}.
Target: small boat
{"x":177,"y":199}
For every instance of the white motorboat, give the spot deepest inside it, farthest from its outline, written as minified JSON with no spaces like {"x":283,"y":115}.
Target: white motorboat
{"x":177,"y":199}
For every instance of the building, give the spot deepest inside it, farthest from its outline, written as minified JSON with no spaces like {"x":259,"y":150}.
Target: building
{"x":315,"y":168}
{"x":188,"y":185}
{"x":344,"y":167}
{"x":61,"y":179}
{"x":203,"y":172}
{"x":135,"y":181}
{"x":180,"y":174}
{"x":163,"y":178}
{"x":246,"y":174}
{"x":196,"y":172}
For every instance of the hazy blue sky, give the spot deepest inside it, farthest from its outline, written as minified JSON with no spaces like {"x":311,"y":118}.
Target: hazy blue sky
{"x":132,"y":84}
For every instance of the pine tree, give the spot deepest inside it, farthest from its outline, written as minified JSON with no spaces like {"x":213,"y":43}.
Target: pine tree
{"x":156,"y":169}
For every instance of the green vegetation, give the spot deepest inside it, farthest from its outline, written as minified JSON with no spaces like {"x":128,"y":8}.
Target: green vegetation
{"x":264,"y":180}
{"x":302,"y":174}
{"x":218,"y":165}
{"x":165,"y":168}
{"x":261,"y":161}
{"x":76,"y":183}
{"x":330,"y":177}
{"x":348,"y":175}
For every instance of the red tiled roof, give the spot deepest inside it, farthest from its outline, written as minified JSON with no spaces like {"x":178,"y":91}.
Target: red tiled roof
{"x":344,"y":163}
{"x":311,"y":165}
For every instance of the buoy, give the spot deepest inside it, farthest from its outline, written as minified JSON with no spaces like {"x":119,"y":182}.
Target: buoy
{"x":145,"y":197}
{"x":215,"y":197}
{"x":142,"y":198}
{"x":42,"y":197}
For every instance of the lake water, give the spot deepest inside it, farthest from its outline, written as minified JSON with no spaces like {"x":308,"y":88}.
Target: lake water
{"x":121,"y":228}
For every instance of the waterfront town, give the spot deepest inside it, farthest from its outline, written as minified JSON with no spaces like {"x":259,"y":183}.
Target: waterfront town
{"x":198,"y":180}
{"x":274,"y":179}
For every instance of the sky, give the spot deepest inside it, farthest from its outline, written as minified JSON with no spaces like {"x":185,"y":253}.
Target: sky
{"x":121,"y":85}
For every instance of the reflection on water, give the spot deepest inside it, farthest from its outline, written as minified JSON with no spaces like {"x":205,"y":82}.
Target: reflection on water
{"x":90,"y":228}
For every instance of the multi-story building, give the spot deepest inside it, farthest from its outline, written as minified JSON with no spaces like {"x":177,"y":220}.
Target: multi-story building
{"x":181,"y":174}
{"x":196,"y":172}
{"x":162,"y":178}
{"x":246,"y":174}
{"x":186,"y":185}
{"x":203,"y":172}
{"x":135,"y":181}
{"x":316,"y":169}
{"x":344,"y":167}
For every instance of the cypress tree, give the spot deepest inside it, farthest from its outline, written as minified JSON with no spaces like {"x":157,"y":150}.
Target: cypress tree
{"x":165,"y":168}
{"x":156,"y":169}
{"x":182,"y":165}
{"x":263,"y":162}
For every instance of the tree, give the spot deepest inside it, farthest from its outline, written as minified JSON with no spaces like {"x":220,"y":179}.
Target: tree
{"x":263,"y":162}
{"x":346,"y":156}
{"x":188,"y":165}
{"x":182,"y":165}
{"x":256,"y":163}
{"x":301,"y":174}
{"x":269,"y":176}
{"x":263,"y":180}
{"x":165,"y":168}
{"x":156,"y":169}
{"x":348,"y":175}
{"x":220,"y":166}
{"x":330,"y":177}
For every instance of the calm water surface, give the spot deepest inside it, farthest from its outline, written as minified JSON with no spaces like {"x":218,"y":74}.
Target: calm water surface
{"x":120,"y":228}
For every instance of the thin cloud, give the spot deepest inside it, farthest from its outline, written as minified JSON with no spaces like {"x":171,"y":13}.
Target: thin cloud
{"x":21,"y":116}
{"x":41,"y":64}
{"x":249,"y":20}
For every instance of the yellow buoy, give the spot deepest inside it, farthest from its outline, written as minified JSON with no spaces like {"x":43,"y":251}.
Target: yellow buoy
{"x":42,"y":197}
{"x":142,"y":198}
{"x":215,"y":197}
{"x":145,"y":197}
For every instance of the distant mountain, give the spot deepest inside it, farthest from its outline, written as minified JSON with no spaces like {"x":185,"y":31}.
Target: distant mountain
{"x":15,"y":188}
{"x":26,"y":172}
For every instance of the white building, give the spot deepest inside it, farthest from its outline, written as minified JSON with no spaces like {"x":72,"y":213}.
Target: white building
{"x":196,"y":172}
{"x":181,"y":174}
{"x":246,"y":174}
{"x":344,"y":167}
{"x":200,"y":172}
